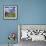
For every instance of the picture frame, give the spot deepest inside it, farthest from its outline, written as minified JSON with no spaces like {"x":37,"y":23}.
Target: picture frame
{"x":10,"y":12}
{"x":33,"y":30}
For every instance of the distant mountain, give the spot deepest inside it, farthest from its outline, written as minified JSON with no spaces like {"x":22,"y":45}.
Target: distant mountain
{"x":10,"y":9}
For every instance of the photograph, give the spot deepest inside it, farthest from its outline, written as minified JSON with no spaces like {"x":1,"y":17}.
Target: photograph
{"x":10,"y":12}
{"x":32,"y":34}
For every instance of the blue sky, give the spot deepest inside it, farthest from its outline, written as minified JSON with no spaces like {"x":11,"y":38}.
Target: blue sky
{"x":9,"y":9}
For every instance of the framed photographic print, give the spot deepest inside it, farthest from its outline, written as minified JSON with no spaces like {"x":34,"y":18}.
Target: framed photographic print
{"x":10,"y":12}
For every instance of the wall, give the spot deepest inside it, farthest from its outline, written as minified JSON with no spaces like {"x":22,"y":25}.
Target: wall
{"x":33,"y":12}
{"x":29,"y":12}
{"x":6,"y":26}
